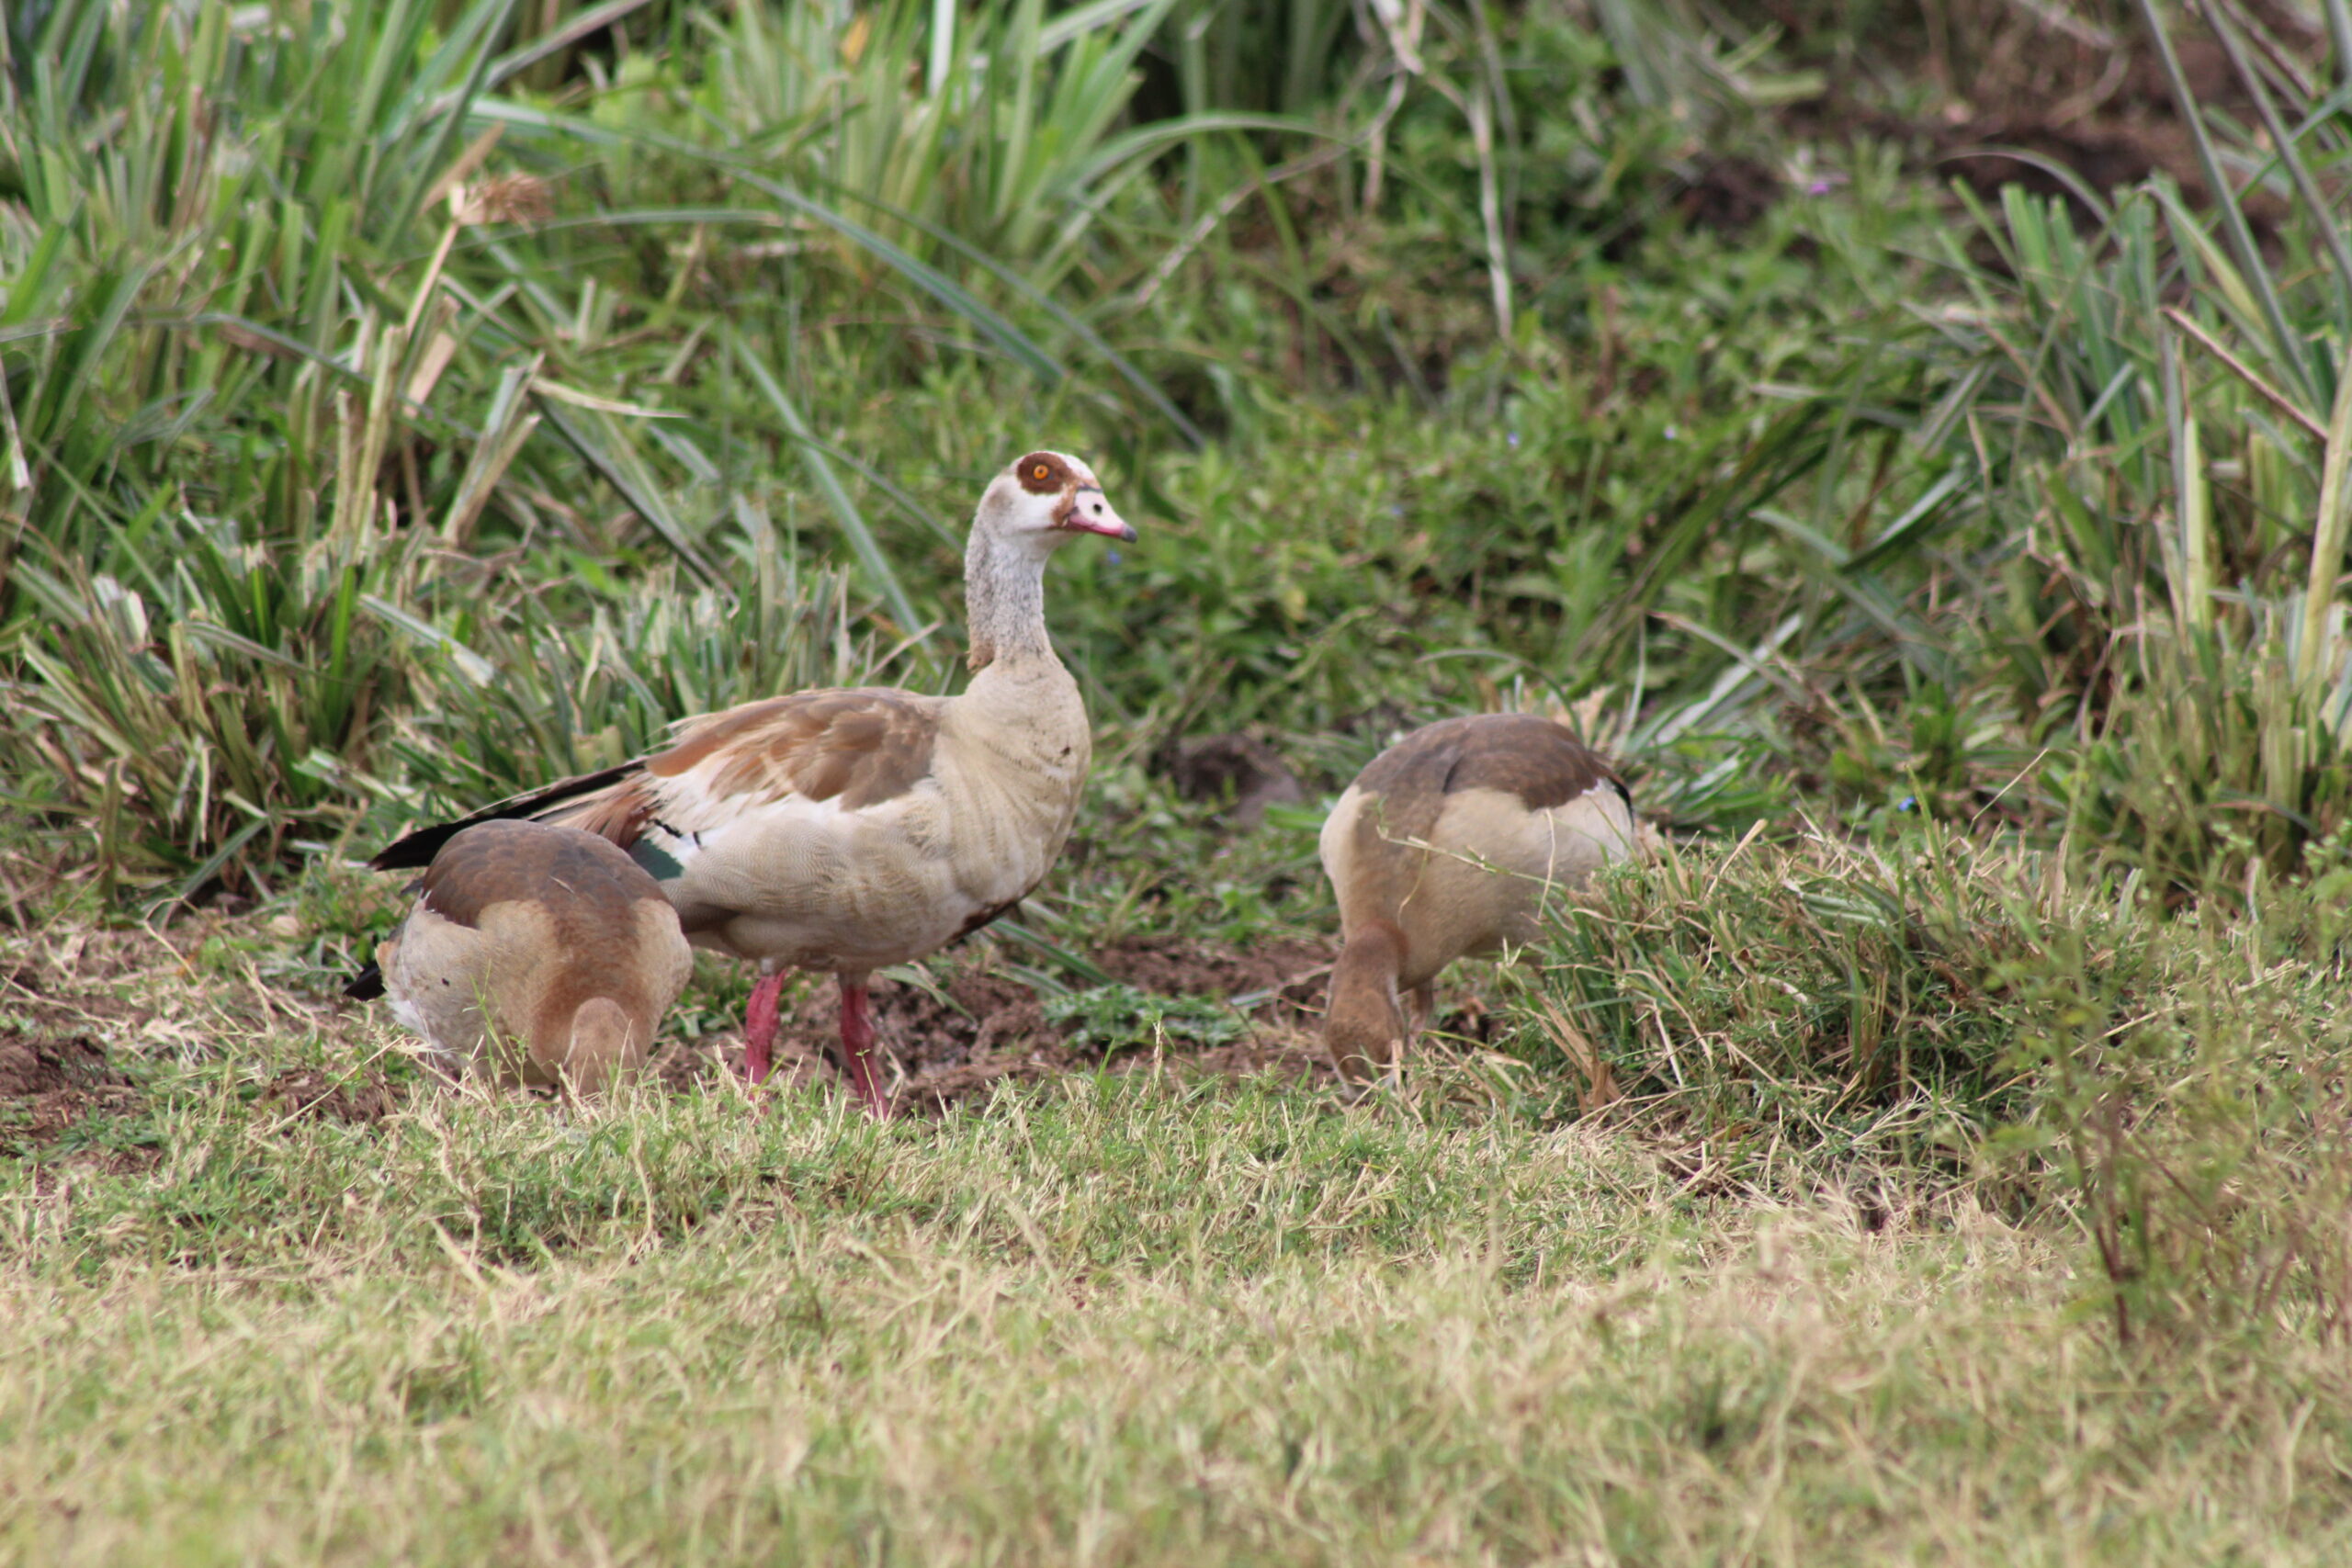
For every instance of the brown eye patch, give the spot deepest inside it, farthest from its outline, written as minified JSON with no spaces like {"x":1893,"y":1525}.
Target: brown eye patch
{"x":1042,"y":473}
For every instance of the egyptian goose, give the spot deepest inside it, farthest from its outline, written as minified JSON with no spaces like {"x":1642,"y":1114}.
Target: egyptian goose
{"x":541,"y":952}
{"x":844,"y":830}
{"x":1448,"y":845}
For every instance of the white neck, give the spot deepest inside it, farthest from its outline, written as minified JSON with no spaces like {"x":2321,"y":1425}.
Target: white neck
{"x":1004,"y":598}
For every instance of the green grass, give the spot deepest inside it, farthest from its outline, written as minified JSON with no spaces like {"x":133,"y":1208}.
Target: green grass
{"x":1965,"y":1313}
{"x":1126,"y":1324}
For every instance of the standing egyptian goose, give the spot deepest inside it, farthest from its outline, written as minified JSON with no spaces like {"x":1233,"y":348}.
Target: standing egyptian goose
{"x":541,"y":953}
{"x":844,"y":830}
{"x":1447,"y":845}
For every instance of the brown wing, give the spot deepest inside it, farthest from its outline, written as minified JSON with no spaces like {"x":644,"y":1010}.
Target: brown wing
{"x":860,"y":745}
{"x":581,"y":878}
{"x":1405,"y":787}
{"x":1541,"y":762}
{"x":864,"y":745}
{"x":416,"y":851}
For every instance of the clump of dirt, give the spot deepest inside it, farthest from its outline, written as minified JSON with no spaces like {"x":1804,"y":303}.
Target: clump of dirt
{"x":1239,"y":770}
{"x":32,"y":1068}
{"x":55,"y":1083}
{"x":973,"y":1025}
{"x":1728,"y":194}
{"x":1183,"y":967}
{"x":308,"y":1093}
{"x":55,"y":1072}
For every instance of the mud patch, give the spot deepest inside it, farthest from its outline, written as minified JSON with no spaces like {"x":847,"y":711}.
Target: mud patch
{"x":2060,"y":87}
{"x":971,"y":1025}
{"x":1295,"y":972}
{"x":31,"y":1069}
{"x":1728,"y":194}
{"x":59,"y":1084}
{"x":50,"y":1086}
{"x":1241,"y":772}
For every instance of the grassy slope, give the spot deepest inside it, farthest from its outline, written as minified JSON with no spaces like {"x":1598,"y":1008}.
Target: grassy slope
{"x":1114,"y":1319}
{"x":1104,"y":1325}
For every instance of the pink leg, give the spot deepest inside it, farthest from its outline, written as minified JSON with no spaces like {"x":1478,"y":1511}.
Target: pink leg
{"x":759,"y":1027}
{"x":857,"y":1045}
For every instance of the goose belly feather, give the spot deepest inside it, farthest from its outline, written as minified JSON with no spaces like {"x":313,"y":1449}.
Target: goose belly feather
{"x":791,"y":882}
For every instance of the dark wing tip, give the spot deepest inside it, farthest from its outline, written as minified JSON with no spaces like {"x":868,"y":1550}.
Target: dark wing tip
{"x":366,"y":986}
{"x":415,"y":852}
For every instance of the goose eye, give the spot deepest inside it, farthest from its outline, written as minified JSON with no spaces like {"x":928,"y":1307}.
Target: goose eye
{"x":1039,"y":471}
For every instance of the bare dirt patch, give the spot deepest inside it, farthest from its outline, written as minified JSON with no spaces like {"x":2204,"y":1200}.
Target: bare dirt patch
{"x":1241,"y":773}
{"x":82,"y":1008}
{"x":2021,"y":92}
{"x":49,"y":1085}
{"x":1729,"y":193}
{"x":77,"y":1015}
{"x":55,"y":1069}
{"x":975,"y":1024}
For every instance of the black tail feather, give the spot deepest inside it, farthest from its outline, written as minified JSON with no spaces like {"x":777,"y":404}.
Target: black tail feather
{"x":366,"y":986}
{"x":416,"y":851}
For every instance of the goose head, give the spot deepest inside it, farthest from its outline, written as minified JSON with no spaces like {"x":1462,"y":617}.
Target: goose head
{"x":1042,"y":498}
{"x":1364,"y":1024}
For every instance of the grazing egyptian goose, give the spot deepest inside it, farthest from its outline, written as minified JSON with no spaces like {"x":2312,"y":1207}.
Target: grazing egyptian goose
{"x":541,"y":953}
{"x":1447,"y":845}
{"x":844,"y":830}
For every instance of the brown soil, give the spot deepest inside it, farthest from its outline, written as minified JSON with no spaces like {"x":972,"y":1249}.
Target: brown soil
{"x":2050,"y":83}
{"x":55,"y":1071}
{"x":75,"y":1013}
{"x":1729,"y":193}
{"x":1241,"y":772}
{"x":77,"y":1009}
{"x":52,"y":1084}
{"x":72,"y":1016}
{"x":976,"y":1024}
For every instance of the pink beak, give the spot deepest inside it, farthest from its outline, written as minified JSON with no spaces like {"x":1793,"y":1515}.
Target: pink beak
{"x":1090,"y":514}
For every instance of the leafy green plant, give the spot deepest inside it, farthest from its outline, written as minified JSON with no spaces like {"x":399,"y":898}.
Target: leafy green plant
{"x":1118,"y":1018}
{"x":573,"y":695}
{"x":199,"y":727}
{"x":2163,"y":435}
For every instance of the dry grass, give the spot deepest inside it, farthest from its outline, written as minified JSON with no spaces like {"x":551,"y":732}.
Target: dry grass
{"x":1127,"y":1321}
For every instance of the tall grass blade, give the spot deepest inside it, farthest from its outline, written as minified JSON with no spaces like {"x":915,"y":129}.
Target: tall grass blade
{"x":2284,"y":145}
{"x":626,"y":473}
{"x":508,"y":424}
{"x":853,"y":521}
{"x":2225,"y":202}
{"x":2328,"y":543}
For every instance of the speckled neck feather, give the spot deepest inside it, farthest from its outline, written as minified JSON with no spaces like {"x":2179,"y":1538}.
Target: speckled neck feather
{"x":1004,"y":594}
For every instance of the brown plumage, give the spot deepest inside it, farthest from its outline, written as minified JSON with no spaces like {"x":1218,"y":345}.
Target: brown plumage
{"x":1448,"y":845}
{"x":541,"y":953}
{"x":862,"y":746}
{"x":1044,"y":473}
{"x":858,"y":746}
{"x":845,"y":831}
